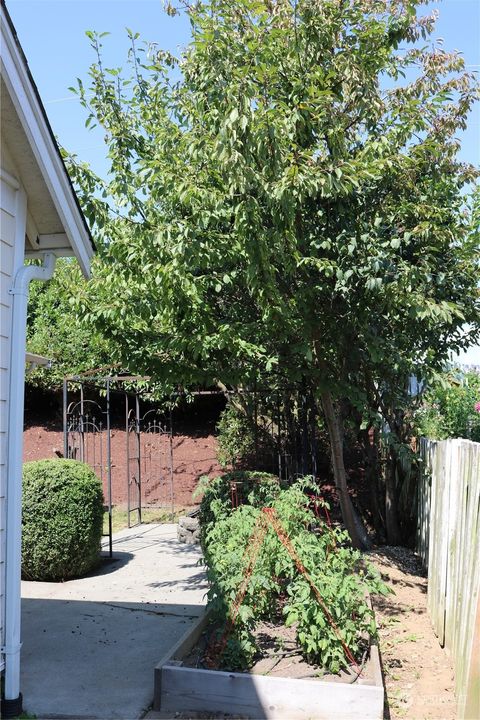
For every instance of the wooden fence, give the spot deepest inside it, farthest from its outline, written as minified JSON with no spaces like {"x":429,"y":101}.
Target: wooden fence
{"x":448,"y":542}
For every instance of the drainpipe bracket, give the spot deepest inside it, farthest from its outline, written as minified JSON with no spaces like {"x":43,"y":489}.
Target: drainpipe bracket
{"x":18,"y":291}
{"x":9,"y":650}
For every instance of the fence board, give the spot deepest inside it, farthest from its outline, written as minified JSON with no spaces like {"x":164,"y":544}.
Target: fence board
{"x":448,"y":542}
{"x":471,"y":586}
{"x":455,"y":515}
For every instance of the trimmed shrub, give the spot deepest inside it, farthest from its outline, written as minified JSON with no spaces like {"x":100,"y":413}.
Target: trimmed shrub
{"x":62,"y":516}
{"x":451,"y":408}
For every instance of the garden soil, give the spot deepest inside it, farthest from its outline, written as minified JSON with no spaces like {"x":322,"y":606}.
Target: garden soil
{"x":418,"y":673}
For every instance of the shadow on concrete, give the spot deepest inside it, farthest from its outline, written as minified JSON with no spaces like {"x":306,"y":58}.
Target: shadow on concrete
{"x":195,"y":580}
{"x":84,"y":659}
{"x":110,"y":564}
{"x":149,"y":538}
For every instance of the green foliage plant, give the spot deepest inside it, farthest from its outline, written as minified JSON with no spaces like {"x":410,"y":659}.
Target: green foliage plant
{"x":220,"y":495}
{"x":62,"y":515}
{"x":236,"y":437}
{"x":278,"y":592}
{"x":286,"y":199}
{"x":57,"y":330}
{"x":248,"y":427}
{"x":449,"y":408}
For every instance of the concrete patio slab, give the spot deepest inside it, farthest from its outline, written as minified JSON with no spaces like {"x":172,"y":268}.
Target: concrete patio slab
{"x":90,"y":645}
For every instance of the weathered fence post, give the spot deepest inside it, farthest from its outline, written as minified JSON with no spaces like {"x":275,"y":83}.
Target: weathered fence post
{"x":448,"y":542}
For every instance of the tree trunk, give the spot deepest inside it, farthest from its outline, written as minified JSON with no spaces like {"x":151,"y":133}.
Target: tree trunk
{"x":372,"y":473}
{"x":392,"y":526}
{"x":352,"y":523}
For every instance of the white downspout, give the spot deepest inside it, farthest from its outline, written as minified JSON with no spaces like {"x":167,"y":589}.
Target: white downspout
{"x":19,"y":290}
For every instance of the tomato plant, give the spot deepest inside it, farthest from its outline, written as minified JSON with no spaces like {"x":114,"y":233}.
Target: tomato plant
{"x":277,"y":591}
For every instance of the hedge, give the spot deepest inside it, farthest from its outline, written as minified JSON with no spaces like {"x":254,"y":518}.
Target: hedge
{"x":62,"y":517}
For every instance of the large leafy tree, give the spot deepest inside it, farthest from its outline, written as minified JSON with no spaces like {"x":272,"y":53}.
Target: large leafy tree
{"x":285,"y":201}
{"x":57,"y":331}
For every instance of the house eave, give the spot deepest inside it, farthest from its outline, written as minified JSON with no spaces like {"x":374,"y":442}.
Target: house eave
{"x":42,"y":144}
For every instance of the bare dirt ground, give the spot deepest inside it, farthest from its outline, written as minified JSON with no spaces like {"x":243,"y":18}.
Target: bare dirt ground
{"x":418,"y":673}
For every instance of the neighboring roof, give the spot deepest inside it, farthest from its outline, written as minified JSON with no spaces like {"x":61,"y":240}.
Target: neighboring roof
{"x":33,"y":361}
{"x":24,"y":117}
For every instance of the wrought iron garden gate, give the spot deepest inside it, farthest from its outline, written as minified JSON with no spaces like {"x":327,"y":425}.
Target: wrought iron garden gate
{"x":87,"y":438}
{"x":156,"y":443}
{"x":87,"y":425}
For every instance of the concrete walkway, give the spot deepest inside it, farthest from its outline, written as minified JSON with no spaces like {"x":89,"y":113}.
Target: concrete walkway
{"x":90,"y":645}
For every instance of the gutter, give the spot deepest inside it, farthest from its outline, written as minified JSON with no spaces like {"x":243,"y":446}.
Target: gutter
{"x":12,"y":702}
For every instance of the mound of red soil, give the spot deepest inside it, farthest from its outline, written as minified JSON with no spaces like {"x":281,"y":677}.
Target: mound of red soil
{"x":193,"y":456}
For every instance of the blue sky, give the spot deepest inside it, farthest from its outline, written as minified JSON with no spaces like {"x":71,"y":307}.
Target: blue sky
{"x":52,"y":34}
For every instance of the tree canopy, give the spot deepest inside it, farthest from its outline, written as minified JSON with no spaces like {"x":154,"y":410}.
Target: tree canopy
{"x":56,"y":330}
{"x":286,"y":182}
{"x":285,"y":202}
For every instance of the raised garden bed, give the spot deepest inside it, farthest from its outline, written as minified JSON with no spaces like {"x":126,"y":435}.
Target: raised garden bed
{"x":180,"y":688}
{"x":288,"y":603}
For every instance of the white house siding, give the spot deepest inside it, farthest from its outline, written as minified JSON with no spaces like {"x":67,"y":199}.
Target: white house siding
{"x":12,"y":234}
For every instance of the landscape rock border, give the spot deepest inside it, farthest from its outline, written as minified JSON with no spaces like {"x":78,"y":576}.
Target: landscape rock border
{"x":188,"y":530}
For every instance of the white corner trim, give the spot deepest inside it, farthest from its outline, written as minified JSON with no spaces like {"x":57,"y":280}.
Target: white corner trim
{"x":13,"y":535}
{"x":45,"y":152}
{"x":31,"y":232}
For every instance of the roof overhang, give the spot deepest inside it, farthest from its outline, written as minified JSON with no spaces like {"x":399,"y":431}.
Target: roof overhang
{"x":32,"y":361}
{"x":55,"y":222}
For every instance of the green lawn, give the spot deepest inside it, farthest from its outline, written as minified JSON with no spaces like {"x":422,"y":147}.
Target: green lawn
{"x":149,"y":515}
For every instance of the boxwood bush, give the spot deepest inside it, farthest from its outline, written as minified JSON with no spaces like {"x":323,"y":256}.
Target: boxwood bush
{"x":62,"y":515}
